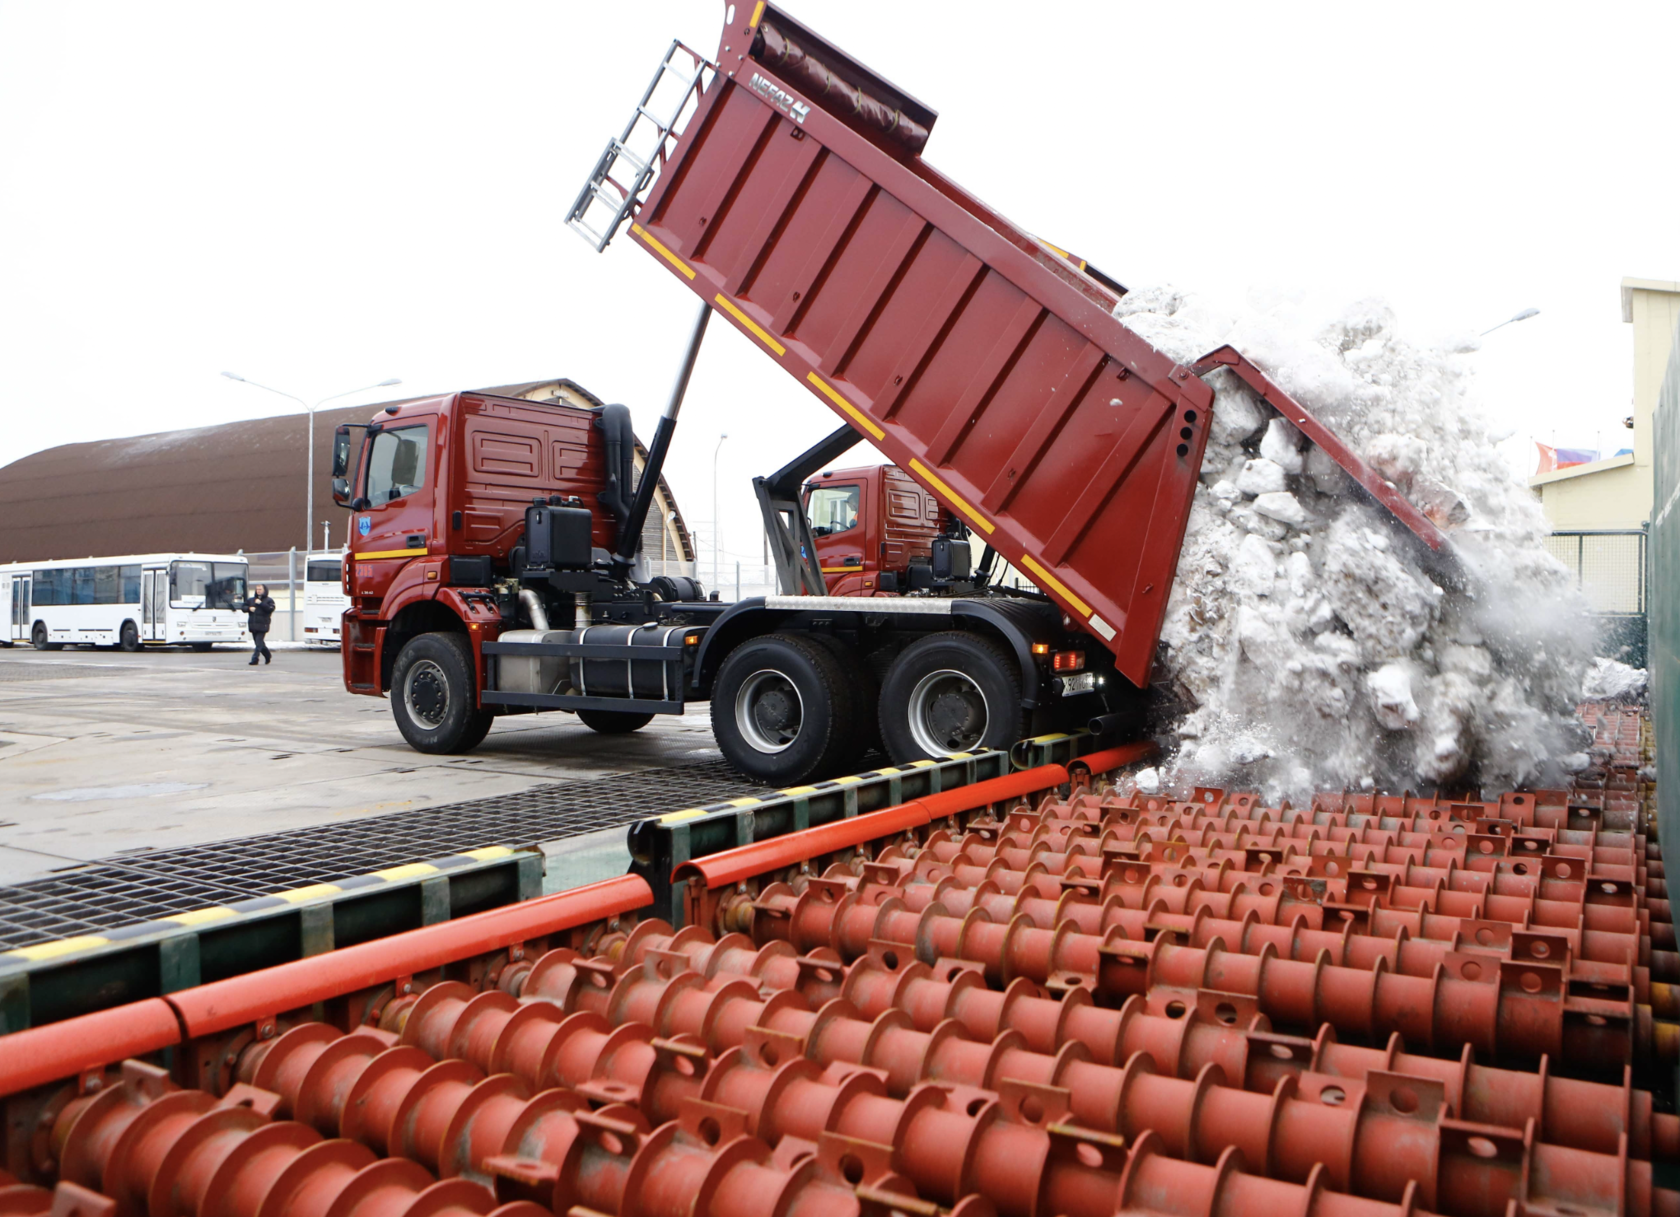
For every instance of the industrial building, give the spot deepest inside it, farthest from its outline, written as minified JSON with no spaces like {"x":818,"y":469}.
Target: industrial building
{"x":233,"y":488}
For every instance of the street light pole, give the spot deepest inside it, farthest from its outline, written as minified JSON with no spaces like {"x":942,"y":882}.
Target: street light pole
{"x":309,"y":460}
{"x":1522,"y":316}
{"x":309,"y":475}
{"x":717,"y":530}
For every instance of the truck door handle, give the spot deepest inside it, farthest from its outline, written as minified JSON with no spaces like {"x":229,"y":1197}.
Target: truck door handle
{"x":417,"y":541}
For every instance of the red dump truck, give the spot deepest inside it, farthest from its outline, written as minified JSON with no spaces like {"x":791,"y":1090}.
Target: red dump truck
{"x":496,"y":565}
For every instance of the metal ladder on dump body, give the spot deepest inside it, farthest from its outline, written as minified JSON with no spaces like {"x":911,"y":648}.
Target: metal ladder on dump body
{"x":599,"y":191}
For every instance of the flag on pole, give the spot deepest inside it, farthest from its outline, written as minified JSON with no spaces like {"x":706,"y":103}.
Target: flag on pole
{"x":1553,"y":459}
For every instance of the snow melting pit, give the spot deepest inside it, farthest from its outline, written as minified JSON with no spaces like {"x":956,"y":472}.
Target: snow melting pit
{"x":138,"y":790}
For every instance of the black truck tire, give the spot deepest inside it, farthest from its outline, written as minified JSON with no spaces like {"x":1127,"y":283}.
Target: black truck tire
{"x":866,"y":694}
{"x":613,"y":722}
{"x":434,"y":695}
{"x":38,"y":638}
{"x":782,"y":710}
{"x":950,"y":692}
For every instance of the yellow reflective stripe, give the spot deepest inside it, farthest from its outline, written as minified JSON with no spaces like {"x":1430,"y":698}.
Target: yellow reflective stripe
{"x":962,"y":503}
{"x":488,"y":852}
{"x":200,"y":916}
{"x":922,"y":764}
{"x":848,"y":779}
{"x":406,"y":872}
{"x":388,"y":553}
{"x":757,"y":331}
{"x":796,"y":791}
{"x":662,"y":251}
{"x":297,"y":895}
{"x":64,"y":946}
{"x":1044,"y":576}
{"x":745,"y":802}
{"x":758,"y":11}
{"x":681,"y":815}
{"x":842,"y":570}
{"x":857,"y":416}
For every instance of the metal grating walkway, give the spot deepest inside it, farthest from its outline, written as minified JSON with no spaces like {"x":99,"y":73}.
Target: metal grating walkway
{"x":116,"y":892}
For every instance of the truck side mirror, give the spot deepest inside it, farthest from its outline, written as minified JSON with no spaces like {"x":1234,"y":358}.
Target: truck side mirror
{"x":341,"y":466}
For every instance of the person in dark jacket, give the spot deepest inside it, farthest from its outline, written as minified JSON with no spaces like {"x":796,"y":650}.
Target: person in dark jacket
{"x":260,"y":606}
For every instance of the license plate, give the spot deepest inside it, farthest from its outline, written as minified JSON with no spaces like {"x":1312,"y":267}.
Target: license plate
{"x":1080,"y":682}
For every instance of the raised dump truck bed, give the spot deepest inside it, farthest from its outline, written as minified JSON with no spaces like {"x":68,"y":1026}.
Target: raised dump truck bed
{"x":973,"y":356}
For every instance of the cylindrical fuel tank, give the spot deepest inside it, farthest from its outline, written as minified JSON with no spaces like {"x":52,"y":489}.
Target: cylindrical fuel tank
{"x":644,"y":678}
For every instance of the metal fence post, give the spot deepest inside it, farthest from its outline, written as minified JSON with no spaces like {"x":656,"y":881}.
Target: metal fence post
{"x":291,"y":583}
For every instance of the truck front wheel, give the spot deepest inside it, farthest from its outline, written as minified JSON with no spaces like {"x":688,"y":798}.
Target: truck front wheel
{"x":782,"y":710}
{"x":950,"y":692}
{"x":433,"y":695}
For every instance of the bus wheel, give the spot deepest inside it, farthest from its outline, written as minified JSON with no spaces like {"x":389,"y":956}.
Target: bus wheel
{"x":129,"y":639}
{"x":782,"y":710}
{"x":201,"y":647}
{"x":38,"y":638}
{"x":613,"y":722}
{"x":433,"y":697}
{"x":950,"y":692}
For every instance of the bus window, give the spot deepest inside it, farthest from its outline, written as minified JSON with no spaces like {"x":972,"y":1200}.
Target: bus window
{"x":206,"y":584}
{"x":397,"y":465}
{"x":325,"y":572}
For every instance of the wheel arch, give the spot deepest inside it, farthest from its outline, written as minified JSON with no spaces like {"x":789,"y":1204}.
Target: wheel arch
{"x":413,"y":619}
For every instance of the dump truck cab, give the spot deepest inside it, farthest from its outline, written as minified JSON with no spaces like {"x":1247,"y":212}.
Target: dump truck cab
{"x":875,"y":529}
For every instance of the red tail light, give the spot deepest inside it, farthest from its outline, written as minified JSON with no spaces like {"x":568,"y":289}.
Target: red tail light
{"x":1068,"y":661}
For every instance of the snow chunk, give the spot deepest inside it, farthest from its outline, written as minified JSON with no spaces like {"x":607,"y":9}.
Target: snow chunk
{"x":1280,"y":505}
{"x":1607,"y":680}
{"x":1260,"y":477}
{"x":1391,"y":696}
{"x":1282,"y":446}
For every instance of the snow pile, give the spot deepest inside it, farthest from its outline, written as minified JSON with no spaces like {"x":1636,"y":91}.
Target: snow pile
{"x":1308,"y":646}
{"x":1608,"y":680}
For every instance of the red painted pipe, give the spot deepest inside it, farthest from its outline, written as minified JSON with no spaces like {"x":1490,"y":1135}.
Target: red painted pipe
{"x":62,"y":1050}
{"x":41,"y":1055}
{"x":1110,"y":759}
{"x":215,"y":1007}
{"x":734,"y":865}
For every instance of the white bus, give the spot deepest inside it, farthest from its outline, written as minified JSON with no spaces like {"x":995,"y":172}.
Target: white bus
{"x":133,"y":602}
{"x":324,"y":600}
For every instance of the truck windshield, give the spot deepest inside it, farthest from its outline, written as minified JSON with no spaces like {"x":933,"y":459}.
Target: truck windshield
{"x":216,"y":585}
{"x":833,"y":509}
{"x":397,"y":464}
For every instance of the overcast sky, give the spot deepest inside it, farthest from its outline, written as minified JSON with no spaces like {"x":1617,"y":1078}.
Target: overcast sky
{"x":320,"y":196}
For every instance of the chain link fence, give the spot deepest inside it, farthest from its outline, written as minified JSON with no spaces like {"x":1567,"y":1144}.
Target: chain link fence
{"x":1610,"y":568}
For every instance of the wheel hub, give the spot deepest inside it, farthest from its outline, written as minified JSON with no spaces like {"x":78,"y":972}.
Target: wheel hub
{"x":948,"y":713}
{"x":427,"y":693}
{"x":768,"y":711}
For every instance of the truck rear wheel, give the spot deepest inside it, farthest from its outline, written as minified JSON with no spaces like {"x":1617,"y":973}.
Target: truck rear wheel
{"x":613,"y":722}
{"x":866,"y":694}
{"x":434,"y":696}
{"x":950,"y":692}
{"x":782,"y":710}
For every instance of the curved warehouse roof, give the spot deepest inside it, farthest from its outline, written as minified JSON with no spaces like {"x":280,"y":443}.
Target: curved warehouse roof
{"x":236,"y":486}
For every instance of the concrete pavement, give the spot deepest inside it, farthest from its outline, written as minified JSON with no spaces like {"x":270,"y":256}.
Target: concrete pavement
{"x":103,"y":752}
